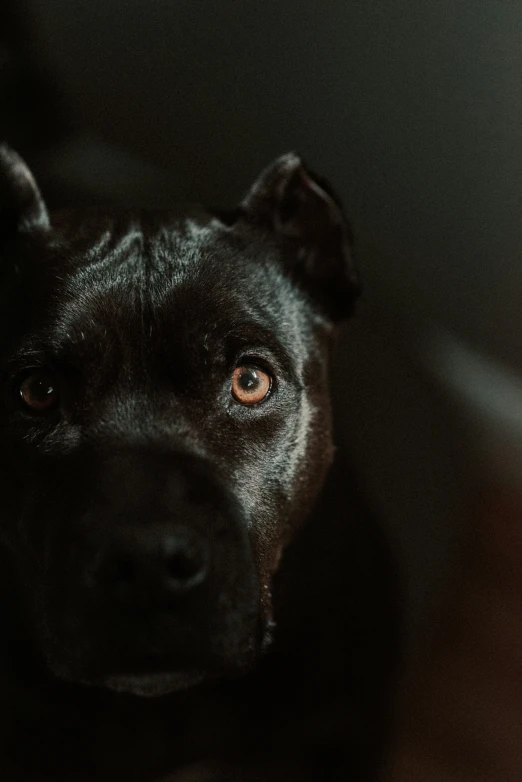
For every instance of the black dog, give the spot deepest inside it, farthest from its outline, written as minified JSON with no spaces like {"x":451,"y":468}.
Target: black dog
{"x":165,"y":431}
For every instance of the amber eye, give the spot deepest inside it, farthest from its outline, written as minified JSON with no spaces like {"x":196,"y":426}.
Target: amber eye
{"x":250,"y":384}
{"x":39,"y":391}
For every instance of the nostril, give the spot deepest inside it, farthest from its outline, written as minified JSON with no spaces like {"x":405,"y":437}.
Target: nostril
{"x":185,"y":564}
{"x":182,"y":567}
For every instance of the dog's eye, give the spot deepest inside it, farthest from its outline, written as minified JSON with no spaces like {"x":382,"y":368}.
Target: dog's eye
{"x":39,"y":391}
{"x":250,"y":384}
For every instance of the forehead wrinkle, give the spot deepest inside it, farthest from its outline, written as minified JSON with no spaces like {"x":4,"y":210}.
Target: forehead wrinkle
{"x":127,"y":283}
{"x":95,"y":240}
{"x":145,"y":272}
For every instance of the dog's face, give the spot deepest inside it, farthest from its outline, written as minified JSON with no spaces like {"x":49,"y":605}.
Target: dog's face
{"x":165,"y":425}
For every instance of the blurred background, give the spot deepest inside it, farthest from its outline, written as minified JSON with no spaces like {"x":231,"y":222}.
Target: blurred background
{"x":412,"y":109}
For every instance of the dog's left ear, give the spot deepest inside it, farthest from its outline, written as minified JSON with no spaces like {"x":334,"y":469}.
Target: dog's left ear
{"x":22,"y":209}
{"x":305,"y":216}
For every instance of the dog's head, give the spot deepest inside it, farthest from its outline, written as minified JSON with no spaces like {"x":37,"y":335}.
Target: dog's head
{"x":165,"y":425}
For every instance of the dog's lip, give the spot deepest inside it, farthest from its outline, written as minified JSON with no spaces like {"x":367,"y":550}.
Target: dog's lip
{"x":150,"y":674}
{"x":156,"y":674}
{"x":152,"y":684}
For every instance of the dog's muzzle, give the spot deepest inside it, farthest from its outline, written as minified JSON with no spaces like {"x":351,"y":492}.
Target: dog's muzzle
{"x":148,"y":573}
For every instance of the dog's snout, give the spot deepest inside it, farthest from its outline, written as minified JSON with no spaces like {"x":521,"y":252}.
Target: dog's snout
{"x":160,"y":562}
{"x":157,"y":566}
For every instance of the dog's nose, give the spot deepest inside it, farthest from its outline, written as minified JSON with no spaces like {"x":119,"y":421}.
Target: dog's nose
{"x":156,"y":563}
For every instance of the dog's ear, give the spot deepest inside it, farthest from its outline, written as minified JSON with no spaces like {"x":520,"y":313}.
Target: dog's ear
{"x":22,"y":209}
{"x":304,"y":214}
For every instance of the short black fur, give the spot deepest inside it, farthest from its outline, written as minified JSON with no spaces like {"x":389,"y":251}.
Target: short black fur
{"x":145,"y":511}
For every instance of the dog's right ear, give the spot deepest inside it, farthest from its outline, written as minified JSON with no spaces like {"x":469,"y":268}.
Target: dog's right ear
{"x":301,"y":212}
{"x":22,"y":209}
